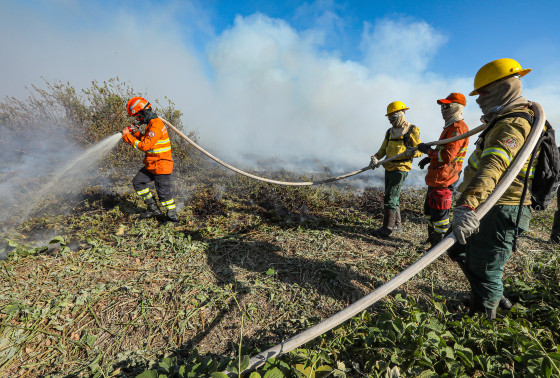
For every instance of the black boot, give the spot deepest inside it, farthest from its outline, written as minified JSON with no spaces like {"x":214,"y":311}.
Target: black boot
{"x":555,"y":235}
{"x":152,"y":210}
{"x":389,"y":220}
{"x":172,"y":215}
{"x":475,"y":304}
{"x":504,"y":303}
{"x":434,"y":238}
{"x":490,"y":313}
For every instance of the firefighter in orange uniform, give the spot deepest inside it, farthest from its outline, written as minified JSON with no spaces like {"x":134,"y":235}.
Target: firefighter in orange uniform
{"x":158,"y":162}
{"x":446,"y":162}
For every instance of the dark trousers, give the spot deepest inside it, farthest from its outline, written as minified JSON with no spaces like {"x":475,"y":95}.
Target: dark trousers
{"x":163,"y":185}
{"x":487,"y":252}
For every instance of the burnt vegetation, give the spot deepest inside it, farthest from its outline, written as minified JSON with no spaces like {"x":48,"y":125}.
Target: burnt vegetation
{"x":96,"y":291}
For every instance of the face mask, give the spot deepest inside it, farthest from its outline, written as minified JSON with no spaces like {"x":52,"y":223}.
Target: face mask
{"x":396,"y":119}
{"x":452,"y":112}
{"x":495,"y":96}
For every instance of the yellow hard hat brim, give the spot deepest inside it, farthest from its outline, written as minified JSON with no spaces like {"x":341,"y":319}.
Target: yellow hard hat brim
{"x":398,"y":110}
{"x":520,"y":73}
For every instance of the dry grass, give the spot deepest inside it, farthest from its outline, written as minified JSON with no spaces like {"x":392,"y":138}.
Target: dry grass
{"x":119,"y":293}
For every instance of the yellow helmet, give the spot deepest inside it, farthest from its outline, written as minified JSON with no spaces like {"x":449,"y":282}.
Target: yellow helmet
{"x":496,"y":70}
{"x":395,"y":106}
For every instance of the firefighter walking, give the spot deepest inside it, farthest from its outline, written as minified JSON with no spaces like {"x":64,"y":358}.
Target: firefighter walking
{"x":489,"y":243}
{"x":158,"y":161}
{"x":445,"y":165}
{"x":398,"y":139}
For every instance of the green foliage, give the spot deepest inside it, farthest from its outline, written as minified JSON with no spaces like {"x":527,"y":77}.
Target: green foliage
{"x":249,"y":265}
{"x":62,"y":115}
{"x":430,"y":342}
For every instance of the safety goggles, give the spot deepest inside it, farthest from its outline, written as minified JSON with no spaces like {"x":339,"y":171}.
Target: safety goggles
{"x":446,"y":106}
{"x":394,"y":116}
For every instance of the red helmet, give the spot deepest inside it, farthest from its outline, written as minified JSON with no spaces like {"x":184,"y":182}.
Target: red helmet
{"x":137,"y":104}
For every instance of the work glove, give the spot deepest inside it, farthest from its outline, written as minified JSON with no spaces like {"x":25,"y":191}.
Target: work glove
{"x":465,"y":223}
{"x":409,"y":152}
{"x":422,"y":163}
{"x":424,"y":148}
{"x":373,"y":162}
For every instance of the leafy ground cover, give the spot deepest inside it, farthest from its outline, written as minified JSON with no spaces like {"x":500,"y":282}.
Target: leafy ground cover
{"x":89,"y":289}
{"x":99,"y":292}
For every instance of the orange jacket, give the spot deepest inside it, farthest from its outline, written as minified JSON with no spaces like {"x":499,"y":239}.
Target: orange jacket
{"x":446,"y":161}
{"x":155,"y":143}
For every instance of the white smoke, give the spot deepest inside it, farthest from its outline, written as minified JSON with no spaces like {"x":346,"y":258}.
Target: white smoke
{"x":260,"y":92}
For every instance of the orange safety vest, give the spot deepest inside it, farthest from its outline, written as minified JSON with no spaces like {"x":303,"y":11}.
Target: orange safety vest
{"x":155,"y":143}
{"x":446,"y":161}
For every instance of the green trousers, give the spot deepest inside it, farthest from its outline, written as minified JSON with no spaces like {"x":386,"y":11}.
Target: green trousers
{"x":490,"y":249}
{"x":393,"y":184}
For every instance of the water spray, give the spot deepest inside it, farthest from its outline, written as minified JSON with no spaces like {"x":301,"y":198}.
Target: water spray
{"x":72,"y":175}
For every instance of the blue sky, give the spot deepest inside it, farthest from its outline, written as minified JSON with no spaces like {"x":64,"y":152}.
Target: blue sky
{"x":291,"y":81}
{"x":476,"y":31}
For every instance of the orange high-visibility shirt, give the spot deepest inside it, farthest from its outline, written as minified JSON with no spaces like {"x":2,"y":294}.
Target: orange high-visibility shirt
{"x":446,"y":161}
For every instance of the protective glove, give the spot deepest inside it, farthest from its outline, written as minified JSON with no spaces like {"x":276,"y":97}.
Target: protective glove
{"x":422,"y":163}
{"x":465,"y":223}
{"x":373,"y":162}
{"x":424,"y":148}
{"x":126,"y":130}
{"x":409,"y":152}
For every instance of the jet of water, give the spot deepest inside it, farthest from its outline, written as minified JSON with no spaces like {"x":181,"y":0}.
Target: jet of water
{"x":66,"y":182}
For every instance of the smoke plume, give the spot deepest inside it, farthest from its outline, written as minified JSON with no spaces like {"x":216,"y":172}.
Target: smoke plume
{"x":262,"y":93}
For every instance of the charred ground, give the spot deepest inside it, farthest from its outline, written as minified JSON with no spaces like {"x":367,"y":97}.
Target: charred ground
{"x":248,"y":265}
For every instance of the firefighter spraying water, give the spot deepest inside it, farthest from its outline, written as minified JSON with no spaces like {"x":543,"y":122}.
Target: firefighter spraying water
{"x":158,"y":161}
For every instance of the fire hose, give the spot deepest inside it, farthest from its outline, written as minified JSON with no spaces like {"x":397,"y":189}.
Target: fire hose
{"x":331,"y":179}
{"x":382,"y":291}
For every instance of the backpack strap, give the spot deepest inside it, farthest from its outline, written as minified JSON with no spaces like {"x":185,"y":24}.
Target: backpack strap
{"x":406,"y":137}
{"x":493,"y":123}
{"x":406,"y":141}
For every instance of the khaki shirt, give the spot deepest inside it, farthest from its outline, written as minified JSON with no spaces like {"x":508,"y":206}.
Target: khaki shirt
{"x":487,"y":165}
{"x":395,"y":146}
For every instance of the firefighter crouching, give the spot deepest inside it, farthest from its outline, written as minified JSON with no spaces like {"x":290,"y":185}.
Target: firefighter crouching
{"x":158,"y":161}
{"x":398,"y":139}
{"x":489,"y":243}
{"x":446,"y":163}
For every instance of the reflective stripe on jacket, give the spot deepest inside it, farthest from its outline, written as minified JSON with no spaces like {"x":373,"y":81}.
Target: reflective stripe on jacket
{"x":446,"y":161}
{"x":395,"y":146}
{"x":154,"y":142}
{"x":488,"y":164}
